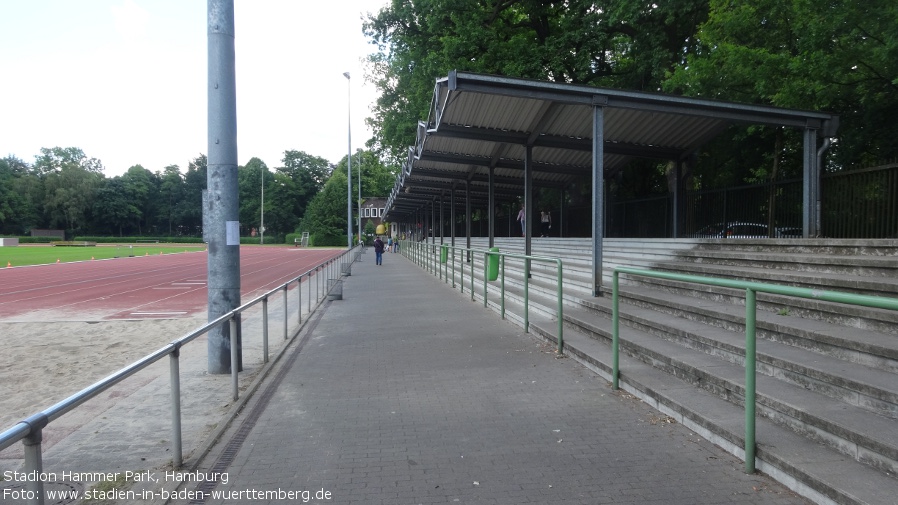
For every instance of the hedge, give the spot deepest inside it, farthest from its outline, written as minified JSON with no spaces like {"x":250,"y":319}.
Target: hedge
{"x":134,"y":240}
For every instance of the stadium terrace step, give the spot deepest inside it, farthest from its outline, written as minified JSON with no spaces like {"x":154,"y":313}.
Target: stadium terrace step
{"x":827,"y":373}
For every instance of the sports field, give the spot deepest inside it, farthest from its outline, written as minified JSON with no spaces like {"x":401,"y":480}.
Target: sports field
{"x":24,"y":255}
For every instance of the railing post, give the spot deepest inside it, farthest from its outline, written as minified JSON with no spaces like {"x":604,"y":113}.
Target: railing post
{"x":453,"y":266}
{"x":486,"y":262}
{"x":472,"y":276}
{"x":286,"y":312}
{"x":615,"y":329}
{"x":750,"y":373}
{"x":34,"y":463}
{"x":558,"y":283}
{"x":265,"y":330}
{"x":234,"y":367}
{"x":175,"y":379}
{"x":299,"y":300}
{"x":526,"y":295}
{"x":502,"y":288}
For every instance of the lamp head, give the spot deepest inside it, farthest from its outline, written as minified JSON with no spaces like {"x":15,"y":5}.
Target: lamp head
{"x":346,"y":75}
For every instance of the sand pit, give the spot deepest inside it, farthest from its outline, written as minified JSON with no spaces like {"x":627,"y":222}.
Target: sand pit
{"x":128,"y":426}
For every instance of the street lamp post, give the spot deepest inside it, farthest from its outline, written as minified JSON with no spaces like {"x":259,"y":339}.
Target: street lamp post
{"x":262,"y":208}
{"x":348,"y":162}
{"x":360,"y":196}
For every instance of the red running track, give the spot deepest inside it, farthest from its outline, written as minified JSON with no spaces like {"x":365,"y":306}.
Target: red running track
{"x":142,"y":287}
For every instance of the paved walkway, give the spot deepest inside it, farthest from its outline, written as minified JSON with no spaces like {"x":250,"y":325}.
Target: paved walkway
{"x":406,"y":392}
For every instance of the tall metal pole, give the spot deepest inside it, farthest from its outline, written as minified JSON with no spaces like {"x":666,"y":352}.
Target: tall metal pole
{"x":360,"y":195}
{"x":348,"y":162}
{"x":262,"y":208}
{"x":221,"y":205}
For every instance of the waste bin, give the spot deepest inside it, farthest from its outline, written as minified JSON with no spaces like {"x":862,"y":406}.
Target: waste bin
{"x":444,"y":253}
{"x":492,"y":266}
{"x":334,"y":289}
{"x":346,"y":269}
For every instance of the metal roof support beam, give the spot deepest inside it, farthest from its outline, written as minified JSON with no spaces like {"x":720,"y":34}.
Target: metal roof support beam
{"x":433,"y":220}
{"x":528,"y":199}
{"x":679,"y":197}
{"x":442,"y":220}
{"x":598,"y":191}
{"x":452,"y":214}
{"x":811,"y":186}
{"x":491,"y":204}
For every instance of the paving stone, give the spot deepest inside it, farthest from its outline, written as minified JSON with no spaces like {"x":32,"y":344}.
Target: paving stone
{"x":406,"y":392}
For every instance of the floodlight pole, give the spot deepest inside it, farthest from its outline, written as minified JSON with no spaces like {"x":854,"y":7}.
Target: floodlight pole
{"x":348,"y":163}
{"x":262,"y":208}
{"x":221,"y":206}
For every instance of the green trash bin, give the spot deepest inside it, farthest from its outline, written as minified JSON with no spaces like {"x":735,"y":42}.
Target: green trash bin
{"x":492,"y":266}
{"x":444,"y":253}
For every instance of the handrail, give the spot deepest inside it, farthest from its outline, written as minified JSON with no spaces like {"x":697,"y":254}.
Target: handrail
{"x":751,"y":289}
{"x":29,"y":430}
{"x":417,"y":252}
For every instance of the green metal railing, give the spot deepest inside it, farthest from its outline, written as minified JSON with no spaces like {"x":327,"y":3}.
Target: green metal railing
{"x":429,"y":257}
{"x":751,"y":289}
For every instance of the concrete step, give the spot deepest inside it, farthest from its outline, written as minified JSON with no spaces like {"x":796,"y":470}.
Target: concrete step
{"x":865,"y":435}
{"x":866,"y":347}
{"x":814,"y":470}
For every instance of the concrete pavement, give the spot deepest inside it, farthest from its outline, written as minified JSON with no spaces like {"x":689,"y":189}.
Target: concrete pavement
{"x":406,"y":392}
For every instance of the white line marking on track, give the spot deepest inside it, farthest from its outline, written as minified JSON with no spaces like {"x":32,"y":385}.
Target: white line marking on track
{"x":181,"y":313}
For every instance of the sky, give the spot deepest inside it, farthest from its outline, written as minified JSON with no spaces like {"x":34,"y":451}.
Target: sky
{"x":125,"y":80}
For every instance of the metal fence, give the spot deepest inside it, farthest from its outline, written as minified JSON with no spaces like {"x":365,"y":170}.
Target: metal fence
{"x":854,"y":204}
{"x":30,"y":431}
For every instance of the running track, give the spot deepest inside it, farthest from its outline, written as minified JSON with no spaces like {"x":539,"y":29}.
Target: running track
{"x":142,"y":287}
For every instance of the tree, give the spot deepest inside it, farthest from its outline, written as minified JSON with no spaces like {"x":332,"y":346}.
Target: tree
{"x":141,"y":190}
{"x":113,"y":208}
{"x":249,"y":182}
{"x":70,"y":194}
{"x":190,"y":208}
{"x":171,"y":193}
{"x":293,"y":187}
{"x":617,"y":43}
{"x":837,"y":56}
{"x":325,"y":218}
{"x":20,"y":193}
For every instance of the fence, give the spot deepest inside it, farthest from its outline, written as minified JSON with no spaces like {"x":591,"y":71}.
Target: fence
{"x":30,"y":430}
{"x":438,"y":259}
{"x":854,"y":204}
{"x":751,"y":290}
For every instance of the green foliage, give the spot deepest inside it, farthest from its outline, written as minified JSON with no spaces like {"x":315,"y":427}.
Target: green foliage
{"x":326,"y":215}
{"x":619,"y":43}
{"x":66,"y":189}
{"x":137,"y":240}
{"x":327,"y":240}
{"x":838,"y":56}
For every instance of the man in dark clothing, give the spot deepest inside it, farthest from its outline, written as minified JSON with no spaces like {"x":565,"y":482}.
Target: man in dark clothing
{"x":378,"y":251}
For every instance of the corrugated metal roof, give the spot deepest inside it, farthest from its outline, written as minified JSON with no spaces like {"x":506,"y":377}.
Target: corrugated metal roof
{"x":479,"y":121}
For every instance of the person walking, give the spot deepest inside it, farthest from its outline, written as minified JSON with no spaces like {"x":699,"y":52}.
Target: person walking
{"x":522,"y":217}
{"x":545,"y":222}
{"x":378,"y":251}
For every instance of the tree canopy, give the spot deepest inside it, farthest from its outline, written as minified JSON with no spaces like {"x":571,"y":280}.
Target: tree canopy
{"x":839,"y":56}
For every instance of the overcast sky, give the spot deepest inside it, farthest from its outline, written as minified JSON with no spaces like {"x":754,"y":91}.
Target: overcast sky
{"x":125,"y":80}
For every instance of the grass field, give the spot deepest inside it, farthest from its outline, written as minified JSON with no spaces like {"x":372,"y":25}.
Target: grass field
{"x":42,"y":254}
